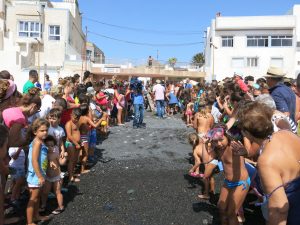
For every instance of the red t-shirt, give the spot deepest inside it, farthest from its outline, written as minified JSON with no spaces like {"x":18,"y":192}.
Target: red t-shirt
{"x":66,"y":114}
{"x":102,"y":101}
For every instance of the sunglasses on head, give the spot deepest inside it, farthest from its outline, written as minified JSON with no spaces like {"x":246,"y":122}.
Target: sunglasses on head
{"x":215,"y":134}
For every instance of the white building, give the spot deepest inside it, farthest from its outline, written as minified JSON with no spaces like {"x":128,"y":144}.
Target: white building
{"x":250,"y":44}
{"x":40,"y":34}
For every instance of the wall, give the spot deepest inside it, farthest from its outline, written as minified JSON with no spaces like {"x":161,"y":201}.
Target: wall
{"x":239,"y":28}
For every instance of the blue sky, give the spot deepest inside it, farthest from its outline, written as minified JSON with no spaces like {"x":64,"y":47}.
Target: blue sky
{"x":163,"y":16}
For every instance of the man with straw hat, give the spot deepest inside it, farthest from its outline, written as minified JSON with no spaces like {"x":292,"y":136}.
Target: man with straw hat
{"x":283,"y":96}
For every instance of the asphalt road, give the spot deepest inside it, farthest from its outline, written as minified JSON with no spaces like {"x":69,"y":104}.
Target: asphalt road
{"x":146,"y":183}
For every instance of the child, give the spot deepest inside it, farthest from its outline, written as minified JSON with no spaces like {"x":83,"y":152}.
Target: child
{"x":3,"y":149}
{"x":85,"y":122}
{"x":58,"y":133}
{"x":37,"y":166}
{"x":189,"y":113}
{"x":17,"y":163}
{"x":53,"y":178}
{"x":73,"y":142}
{"x":237,"y":181}
{"x":197,"y":153}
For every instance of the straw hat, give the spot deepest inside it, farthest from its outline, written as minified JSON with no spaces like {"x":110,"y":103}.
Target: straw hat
{"x":158,"y":81}
{"x":275,"y":72}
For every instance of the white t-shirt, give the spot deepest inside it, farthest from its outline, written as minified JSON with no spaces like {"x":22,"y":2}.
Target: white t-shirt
{"x":159,"y":92}
{"x":216,"y":113}
{"x":46,"y":106}
{"x":18,"y":163}
{"x":57,"y":132}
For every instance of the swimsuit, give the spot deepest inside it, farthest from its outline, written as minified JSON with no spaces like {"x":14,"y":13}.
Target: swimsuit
{"x":69,"y":144}
{"x":53,"y":179}
{"x":84,"y":139}
{"x":292,"y":191}
{"x":234,"y":184}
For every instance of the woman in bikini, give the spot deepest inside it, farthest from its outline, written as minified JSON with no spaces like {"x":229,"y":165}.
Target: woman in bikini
{"x":280,"y":181}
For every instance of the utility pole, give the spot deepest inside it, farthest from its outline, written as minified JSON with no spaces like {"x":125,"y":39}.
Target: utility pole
{"x":85,"y":47}
{"x":38,"y":49}
{"x":213,"y":58}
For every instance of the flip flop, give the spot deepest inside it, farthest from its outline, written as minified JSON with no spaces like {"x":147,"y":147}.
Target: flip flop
{"x":58,"y":211}
{"x":203,"y":197}
{"x":196,"y":175}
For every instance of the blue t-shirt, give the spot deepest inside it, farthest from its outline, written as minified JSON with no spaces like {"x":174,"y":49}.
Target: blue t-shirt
{"x":173,"y":99}
{"x":43,"y":163}
{"x":284,"y":98}
{"x":188,"y":86}
{"x":138,"y":99}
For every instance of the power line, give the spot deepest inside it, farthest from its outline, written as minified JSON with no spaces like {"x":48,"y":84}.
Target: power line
{"x":145,"y":30}
{"x":146,"y":44}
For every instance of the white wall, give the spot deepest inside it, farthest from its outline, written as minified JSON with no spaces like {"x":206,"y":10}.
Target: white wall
{"x":240,"y":28}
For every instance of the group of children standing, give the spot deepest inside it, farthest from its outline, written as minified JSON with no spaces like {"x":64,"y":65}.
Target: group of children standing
{"x":65,"y":136}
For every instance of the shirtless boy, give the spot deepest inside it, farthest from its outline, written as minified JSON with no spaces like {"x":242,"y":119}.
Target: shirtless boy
{"x":73,"y":142}
{"x":53,"y":178}
{"x":85,"y":122}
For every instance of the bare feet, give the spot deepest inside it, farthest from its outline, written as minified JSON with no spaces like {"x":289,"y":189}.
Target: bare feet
{"x":41,"y":218}
{"x":241,"y":219}
{"x":75,"y":179}
{"x":85,"y":171}
{"x":204,"y":197}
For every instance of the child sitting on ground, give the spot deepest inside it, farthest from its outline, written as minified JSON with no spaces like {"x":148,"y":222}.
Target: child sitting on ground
{"x":53,"y":178}
{"x":73,"y":144}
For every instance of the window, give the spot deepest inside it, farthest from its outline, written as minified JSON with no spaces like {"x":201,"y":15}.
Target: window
{"x":227,"y":41}
{"x":29,"y":29}
{"x":54,"y":33}
{"x":281,"y":41}
{"x":257,"y":41}
{"x":252,"y":62}
{"x":237,"y":62}
{"x":277,"y":62}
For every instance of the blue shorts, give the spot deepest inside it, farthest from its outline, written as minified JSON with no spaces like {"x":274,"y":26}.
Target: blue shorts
{"x":19,"y":173}
{"x":93,"y":138}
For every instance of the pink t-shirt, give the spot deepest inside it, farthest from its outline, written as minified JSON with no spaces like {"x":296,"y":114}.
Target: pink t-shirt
{"x":159,"y":91}
{"x":12,"y":116}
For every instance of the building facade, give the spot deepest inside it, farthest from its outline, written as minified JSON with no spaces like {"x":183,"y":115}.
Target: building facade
{"x":250,"y":44}
{"x":94,"y":54}
{"x":42,"y":35}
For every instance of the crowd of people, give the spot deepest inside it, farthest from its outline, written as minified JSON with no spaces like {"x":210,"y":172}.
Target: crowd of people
{"x":249,"y":131}
{"x":246,"y":128}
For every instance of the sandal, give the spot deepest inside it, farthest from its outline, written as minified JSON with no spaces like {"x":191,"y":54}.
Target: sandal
{"x":204,"y":197}
{"x":58,"y":211}
{"x":196,"y":175}
{"x":76,"y":180}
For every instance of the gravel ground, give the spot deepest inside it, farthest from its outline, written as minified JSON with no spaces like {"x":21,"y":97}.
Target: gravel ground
{"x":145,"y":183}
